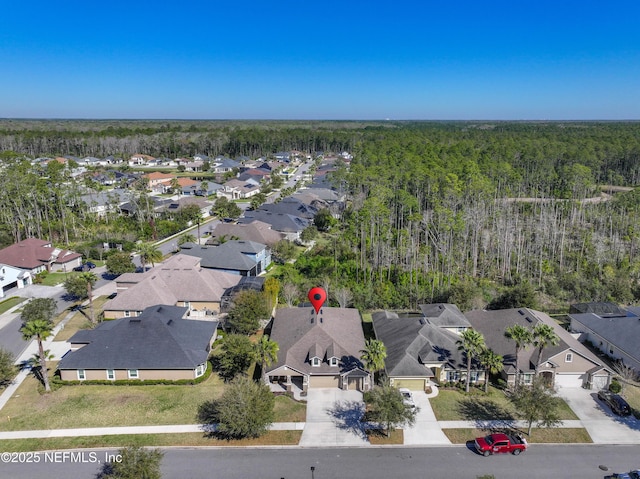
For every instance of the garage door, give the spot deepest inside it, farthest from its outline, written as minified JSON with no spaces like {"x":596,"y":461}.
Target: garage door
{"x":600,"y":382}
{"x":569,"y":380}
{"x":412,"y":384}
{"x":324,"y":381}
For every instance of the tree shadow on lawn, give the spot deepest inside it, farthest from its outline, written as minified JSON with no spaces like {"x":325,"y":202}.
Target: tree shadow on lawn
{"x":347,"y":415}
{"x":487,"y":414}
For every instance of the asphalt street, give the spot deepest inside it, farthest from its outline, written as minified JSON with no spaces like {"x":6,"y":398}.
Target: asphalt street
{"x":539,"y":462}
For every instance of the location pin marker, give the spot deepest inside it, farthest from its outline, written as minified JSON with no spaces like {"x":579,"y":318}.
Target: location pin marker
{"x":317,"y":296}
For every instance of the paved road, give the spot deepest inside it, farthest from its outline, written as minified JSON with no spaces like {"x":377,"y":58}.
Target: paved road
{"x":539,"y":462}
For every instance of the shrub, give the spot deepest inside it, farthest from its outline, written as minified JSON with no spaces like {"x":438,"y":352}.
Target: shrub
{"x":615,"y":387}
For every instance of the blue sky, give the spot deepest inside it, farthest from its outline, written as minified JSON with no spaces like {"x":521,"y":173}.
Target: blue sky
{"x":306,"y":59}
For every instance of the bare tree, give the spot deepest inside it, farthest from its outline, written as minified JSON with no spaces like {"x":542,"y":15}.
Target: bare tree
{"x":290,"y":293}
{"x":343,"y":296}
{"x":627,"y":374}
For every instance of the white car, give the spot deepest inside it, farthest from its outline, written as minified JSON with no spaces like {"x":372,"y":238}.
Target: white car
{"x":407,"y":397}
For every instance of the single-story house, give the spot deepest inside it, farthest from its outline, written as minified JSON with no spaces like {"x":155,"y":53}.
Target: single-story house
{"x":256,"y":231}
{"x":245,"y":258}
{"x":318,"y":350}
{"x":613,"y":330}
{"x":157,"y":344}
{"x":36,"y":255}
{"x":179,"y":281}
{"x":11,"y":277}
{"x":290,"y":226}
{"x":569,"y":364}
{"x":290,"y":206}
{"x":235,"y":189}
{"x":423,"y":347}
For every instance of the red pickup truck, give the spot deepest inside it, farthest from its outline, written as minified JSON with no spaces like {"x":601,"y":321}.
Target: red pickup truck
{"x":497,"y":443}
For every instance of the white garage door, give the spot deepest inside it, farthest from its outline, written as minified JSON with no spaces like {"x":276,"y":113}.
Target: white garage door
{"x":569,"y":380}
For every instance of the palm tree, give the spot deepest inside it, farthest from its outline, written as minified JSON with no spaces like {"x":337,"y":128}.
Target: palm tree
{"x":149,"y":253}
{"x":40,"y":329}
{"x":373,"y":355}
{"x":267,"y":352}
{"x":522,"y":337}
{"x":492,"y":363}
{"x":471,"y":342}
{"x":90,"y":279}
{"x":543,"y":336}
{"x":186,"y":238}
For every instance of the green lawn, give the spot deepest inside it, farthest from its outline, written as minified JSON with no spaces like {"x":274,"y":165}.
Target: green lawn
{"x":53,"y":279}
{"x":277,"y":438}
{"x":454,"y":405}
{"x":80,"y":319}
{"x":7,"y":304}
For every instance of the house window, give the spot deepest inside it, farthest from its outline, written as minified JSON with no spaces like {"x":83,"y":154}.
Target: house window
{"x":81,"y":375}
{"x":527,"y":378}
{"x":315,"y":362}
{"x":334,"y":361}
{"x":474,"y":376}
{"x":200,"y":370}
{"x":568,"y":358}
{"x":452,"y":376}
{"x":610,"y":349}
{"x":111,"y":374}
{"x":133,"y":373}
{"x":127,"y":314}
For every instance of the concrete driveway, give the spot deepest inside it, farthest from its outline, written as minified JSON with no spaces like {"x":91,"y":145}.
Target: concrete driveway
{"x":426,"y":430}
{"x":603,"y":426}
{"x":333,"y":419}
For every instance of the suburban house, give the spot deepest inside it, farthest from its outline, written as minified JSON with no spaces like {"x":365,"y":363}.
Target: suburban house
{"x":159,"y":182}
{"x":180,"y":281}
{"x":290,"y":206}
{"x":256,"y":231}
{"x":318,"y":350}
{"x":613,"y":330}
{"x":139,"y":159}
{"x":236,"y":189}
{"x":36,"y":255}
{"x":102,"y":202}
{"x":290,"y":226}
{"x":157,"y":344}
{"x":569,"y":364}
{"x":224,"y":165}
{"x":423,"y":347}
{"x":11,"y":277}
{"x":245,"y":258}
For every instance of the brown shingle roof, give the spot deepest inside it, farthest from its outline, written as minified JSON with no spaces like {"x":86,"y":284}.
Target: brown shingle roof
{"x":32,"y":253}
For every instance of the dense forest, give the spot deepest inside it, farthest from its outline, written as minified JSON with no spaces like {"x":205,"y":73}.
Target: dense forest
{"x":468,"y":212}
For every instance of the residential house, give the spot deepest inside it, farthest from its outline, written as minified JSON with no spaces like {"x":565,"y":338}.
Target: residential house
{"x":36,"y":255}
{"x":159,"y":182}
{"x":180,"y":281}
{"x":245,"y":258}
{"x":318,"y":350}
{"x":613,"y":330}
{"x":235,"y":189}
{"x":157,"y":344}
{"x":139,"y":159}
{"x":422,"y":348}
{"x":290,"y":226}
{"x":11,"y":277}
{"x":224,"y":165}
{"x":292,"y":207}
{"x":101,"y":202}
{"x":569,"y":364}
{"x":255,"y":231}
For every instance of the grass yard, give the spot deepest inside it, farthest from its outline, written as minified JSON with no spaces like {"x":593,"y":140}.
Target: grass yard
{"x":632,"y":395}
{"x":7,"y":304}
{"x":103,"y":406}
{"x":53,"y":279}
{"x":377,"y":437}
{"x":453,"y":405}
{"x":289,"y":410}
{"x":80,"y":319}
{"x":541,"y":436}
{"x":278,"y":438}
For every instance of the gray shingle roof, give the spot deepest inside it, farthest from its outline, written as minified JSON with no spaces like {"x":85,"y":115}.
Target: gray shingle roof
{"x":338,"y":334}
{"x":157,"y":339}
{"x":231,"y":255}
{"x":621,"y":331}
{"x":279,"y":222}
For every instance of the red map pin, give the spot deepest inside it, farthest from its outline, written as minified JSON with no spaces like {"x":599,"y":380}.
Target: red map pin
{"x":317,"y":297}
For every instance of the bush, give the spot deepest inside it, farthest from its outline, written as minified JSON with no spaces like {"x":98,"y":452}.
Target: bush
{"x":615,"y":387}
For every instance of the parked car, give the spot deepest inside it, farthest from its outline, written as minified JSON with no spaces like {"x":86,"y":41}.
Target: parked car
{"x":616,"y":402}
{"x":500,"y":443}
{"x":619,"y":475}
{"x":407,"y":397}
{"x":85,"y":266}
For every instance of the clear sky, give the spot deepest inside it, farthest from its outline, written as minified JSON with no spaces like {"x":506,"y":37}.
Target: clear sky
{"x":306,"y":59}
